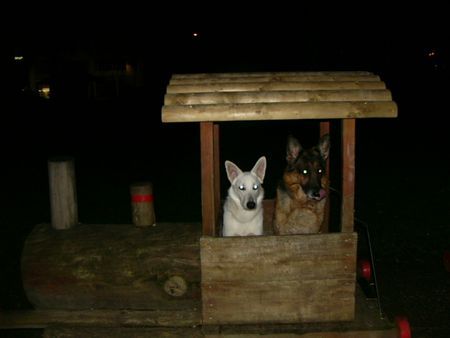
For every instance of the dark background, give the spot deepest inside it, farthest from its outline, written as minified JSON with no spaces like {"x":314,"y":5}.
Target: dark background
{"x":402,"y":164}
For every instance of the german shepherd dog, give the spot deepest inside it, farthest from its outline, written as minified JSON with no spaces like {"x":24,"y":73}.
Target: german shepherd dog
{"x":243,"y":210}
{"x":301,"y":194}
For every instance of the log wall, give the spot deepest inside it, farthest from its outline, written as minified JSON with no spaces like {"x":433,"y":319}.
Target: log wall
{"x":113,"y":266}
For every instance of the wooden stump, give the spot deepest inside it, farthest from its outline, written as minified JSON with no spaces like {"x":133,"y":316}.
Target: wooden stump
{"x":142,"y":210}
{"x":63,"y":194}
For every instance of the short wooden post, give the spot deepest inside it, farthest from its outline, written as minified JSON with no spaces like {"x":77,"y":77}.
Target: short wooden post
{"x":63,"y":194}
{"x":142,"y":209}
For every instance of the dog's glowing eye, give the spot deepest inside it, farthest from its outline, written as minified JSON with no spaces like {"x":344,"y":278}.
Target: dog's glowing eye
{"x":319,"y":171}
{"x":255,"y":187}
{"x":241,"y":187}
{"x":305,"y":172}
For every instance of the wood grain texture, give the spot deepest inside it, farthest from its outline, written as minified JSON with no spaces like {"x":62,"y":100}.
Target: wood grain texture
{"x":274,"y":78}
{"x":269,"y":86}
{"x":111,"y":266}
{"x":278,"y":96}
{"x":273,"y":74}
{"x":348,"y":174}
{"x":279,"y":111}
{"x":208,"y":170}
{"x":99,"y":318}
{"x":63,"y":193}
{"x":281,"y":279}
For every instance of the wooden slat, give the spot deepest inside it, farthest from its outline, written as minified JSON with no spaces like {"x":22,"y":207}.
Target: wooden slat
{"x":256,"y":74}
{"x":278,"y":78}
{"x":122,"y":332}
{"x":281,"y":279}
{"x":278,"y":96}
{"x":279,"y":302}
{"x":98,"y":318}
{"x":270,"y":86}
{"x":278,"y":111}
{"x":233,"y":259}
{"x":390,"y":333}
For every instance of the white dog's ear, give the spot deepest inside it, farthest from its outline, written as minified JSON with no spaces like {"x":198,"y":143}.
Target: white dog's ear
{"x":233,"y":171}
{"x":260,"y":168}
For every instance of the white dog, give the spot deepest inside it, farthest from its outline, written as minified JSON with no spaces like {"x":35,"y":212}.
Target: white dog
{"x":243,"y":211}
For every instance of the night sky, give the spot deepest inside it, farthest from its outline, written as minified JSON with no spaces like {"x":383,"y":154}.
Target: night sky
{"x":234,"y":34}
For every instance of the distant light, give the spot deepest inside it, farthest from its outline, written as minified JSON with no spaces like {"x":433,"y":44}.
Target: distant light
{"x":129,"y":70}
{"x":195,"y":35}
{"x":18,"y":58}
{"x":44,"y":91}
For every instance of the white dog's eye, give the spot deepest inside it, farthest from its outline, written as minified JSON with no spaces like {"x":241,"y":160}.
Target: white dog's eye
{"x":241,"y":187}
{"x":305,"y":172}
{"x":255,"y":187}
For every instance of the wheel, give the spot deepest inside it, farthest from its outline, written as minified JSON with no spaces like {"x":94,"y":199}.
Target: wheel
{"x":365,"y":269}
{"x":403,"y":328}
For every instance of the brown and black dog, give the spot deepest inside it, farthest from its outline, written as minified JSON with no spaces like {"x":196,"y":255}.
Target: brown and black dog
{"x":301,"y":194}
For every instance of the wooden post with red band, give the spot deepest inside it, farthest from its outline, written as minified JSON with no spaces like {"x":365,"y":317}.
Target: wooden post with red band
{"x":142,"y":210}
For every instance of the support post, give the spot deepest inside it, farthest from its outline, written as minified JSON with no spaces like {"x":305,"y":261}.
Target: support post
{"x":348,"y":174}
{"x":216,"y":141}
{"x":209,"y":211}
{"x":325,"y":129}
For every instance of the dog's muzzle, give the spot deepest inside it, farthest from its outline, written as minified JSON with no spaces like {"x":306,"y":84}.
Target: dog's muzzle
{"x":318,"y":195}
{"x":251,"y":205}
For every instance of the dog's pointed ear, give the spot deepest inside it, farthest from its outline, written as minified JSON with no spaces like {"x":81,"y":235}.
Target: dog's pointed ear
{"x":293,"y":148}
{"x":260,"y":168}
{"x":233,"y":171}
{"x":324,"y":146}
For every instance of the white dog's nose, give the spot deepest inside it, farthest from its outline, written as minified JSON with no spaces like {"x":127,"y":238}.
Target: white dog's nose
{"x":251,"y":205}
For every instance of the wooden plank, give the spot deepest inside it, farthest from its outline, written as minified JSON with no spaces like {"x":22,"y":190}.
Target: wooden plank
{"x":279,"y":279}
{"x":269,"y":86}
{"x":256,"y":74}
{"x":391,"y":333}
{"x":278,"y":96}
{"x":122,"y":332}
{"x":278,"y":258}
{"x":366,"y":318}
{"x":207,"y":173}
{"x":279,"y":78}
{"x":348,"y":175}
{"x":279,"y":111}
{"x":279,"y":302}
{"x":99,"y":318}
